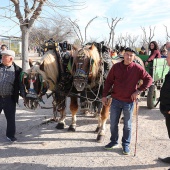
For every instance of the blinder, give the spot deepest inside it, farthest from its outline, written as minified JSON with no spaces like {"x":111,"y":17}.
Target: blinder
{"x":83,"y":70}
{"x":34,"y":88}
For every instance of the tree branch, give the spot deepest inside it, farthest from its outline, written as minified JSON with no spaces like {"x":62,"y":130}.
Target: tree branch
{"x":34,"y":5}
{"x":167,"y":35}
{"x":37,"y":12}
{"x":88,"y":25}
{"x":17,"y":11}
{"x":75,"y":25}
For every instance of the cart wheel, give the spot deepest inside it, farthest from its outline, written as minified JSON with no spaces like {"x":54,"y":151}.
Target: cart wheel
{"x":151,"y":97}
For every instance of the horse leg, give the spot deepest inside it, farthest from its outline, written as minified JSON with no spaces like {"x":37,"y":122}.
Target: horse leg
{"x":97,"y":113}
{"x":102,"y":121}
{"x":73,"y":109}
{"x":54,"y":119}
{"x":61,"y":122}
{"x":54,"y":110}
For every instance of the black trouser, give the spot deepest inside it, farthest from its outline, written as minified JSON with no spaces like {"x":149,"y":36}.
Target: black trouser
{"x":167,"y":119}
{"x":8,"y":105}
{"x":163,"y":109}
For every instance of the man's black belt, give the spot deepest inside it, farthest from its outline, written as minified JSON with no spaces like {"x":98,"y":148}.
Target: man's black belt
{"x":5,"y":96}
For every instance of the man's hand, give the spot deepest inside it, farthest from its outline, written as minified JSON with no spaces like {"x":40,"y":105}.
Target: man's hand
{"x":169,"y":112}
{"x":134,"y":96}
{"x":104,"y":101}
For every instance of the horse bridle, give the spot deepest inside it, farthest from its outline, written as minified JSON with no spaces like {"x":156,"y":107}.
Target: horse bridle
{"x":80,"y":73}
{"x":31,"y":93}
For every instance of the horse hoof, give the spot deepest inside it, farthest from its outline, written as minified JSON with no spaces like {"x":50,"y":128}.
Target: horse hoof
{"x":60,"y":126}
{"x":97,"y":130}
{"x":72,"y":128}
{"x":100,"y":138}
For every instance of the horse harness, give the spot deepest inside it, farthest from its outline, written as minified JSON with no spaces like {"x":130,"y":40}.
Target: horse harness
{"x":32,"y":78}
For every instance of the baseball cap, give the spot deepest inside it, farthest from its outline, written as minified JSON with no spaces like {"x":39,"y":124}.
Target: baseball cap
{"x":130,"y":50}
{"x":8,"y":53}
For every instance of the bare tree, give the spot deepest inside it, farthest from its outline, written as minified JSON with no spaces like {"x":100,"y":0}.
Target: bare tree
{"x":160,"y":43}
{"x":37,"y":36}
{"x":56,"y":27}
{"x":125,"y":39}
{"x":132,"y":40}
{"x":119,"y":40}
{"x":85,"y":33}
{"x":112,"y":27}
{"x":143,"y":43}
{"x":26,"y":22}
{"x":28,"y":11}
{"x":148,"y":39}
{"x":77,"y":30}
{"x":167,"y":34}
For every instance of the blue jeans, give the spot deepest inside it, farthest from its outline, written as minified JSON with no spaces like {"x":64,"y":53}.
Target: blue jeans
{"x":116,"y":108}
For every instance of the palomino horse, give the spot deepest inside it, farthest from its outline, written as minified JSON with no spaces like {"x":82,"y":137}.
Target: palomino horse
{"x":89,"y":75}
{"x":53,"y":70}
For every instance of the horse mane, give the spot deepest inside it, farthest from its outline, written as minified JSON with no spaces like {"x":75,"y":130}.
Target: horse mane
{"x":50,"y":71}
{"x":94,"y":54}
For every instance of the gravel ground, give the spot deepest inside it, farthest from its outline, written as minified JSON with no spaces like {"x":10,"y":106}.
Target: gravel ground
{"x":43,"y":147}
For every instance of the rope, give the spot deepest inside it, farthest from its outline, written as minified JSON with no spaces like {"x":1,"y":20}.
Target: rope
{"x":96,"y":95}
{"x":136,"y":127}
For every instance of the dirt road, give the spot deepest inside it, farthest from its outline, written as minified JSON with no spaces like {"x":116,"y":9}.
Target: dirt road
{"x":43,"y":147}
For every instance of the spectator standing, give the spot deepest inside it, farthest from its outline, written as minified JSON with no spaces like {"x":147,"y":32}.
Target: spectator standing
{"x":9,"y":90}
{"x":165,"y":103}
{"x":142,"y":51}
{"x":124,"y":92}
{"x":164,"y":53}
{"x":121,"y":52}
{"x":3,"y":47}
{"x":155,"y":53}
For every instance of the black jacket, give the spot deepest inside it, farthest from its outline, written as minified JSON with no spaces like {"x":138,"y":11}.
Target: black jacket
{"x":165,"y":91}
{"x":165,"y":96}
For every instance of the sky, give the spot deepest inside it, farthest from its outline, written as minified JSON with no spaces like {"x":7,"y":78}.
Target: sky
{"x":134,"y":14}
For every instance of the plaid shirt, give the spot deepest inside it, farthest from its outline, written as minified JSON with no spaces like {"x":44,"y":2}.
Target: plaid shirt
{"x":7,"y":77}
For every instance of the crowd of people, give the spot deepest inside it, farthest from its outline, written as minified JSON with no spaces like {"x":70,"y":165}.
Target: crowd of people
{"x":153,"y":45}
{"x":120,"y":77}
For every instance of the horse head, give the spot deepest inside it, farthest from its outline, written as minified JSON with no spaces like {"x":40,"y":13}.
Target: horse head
{"x":86,"y":61}
{"x":35,"y":86}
